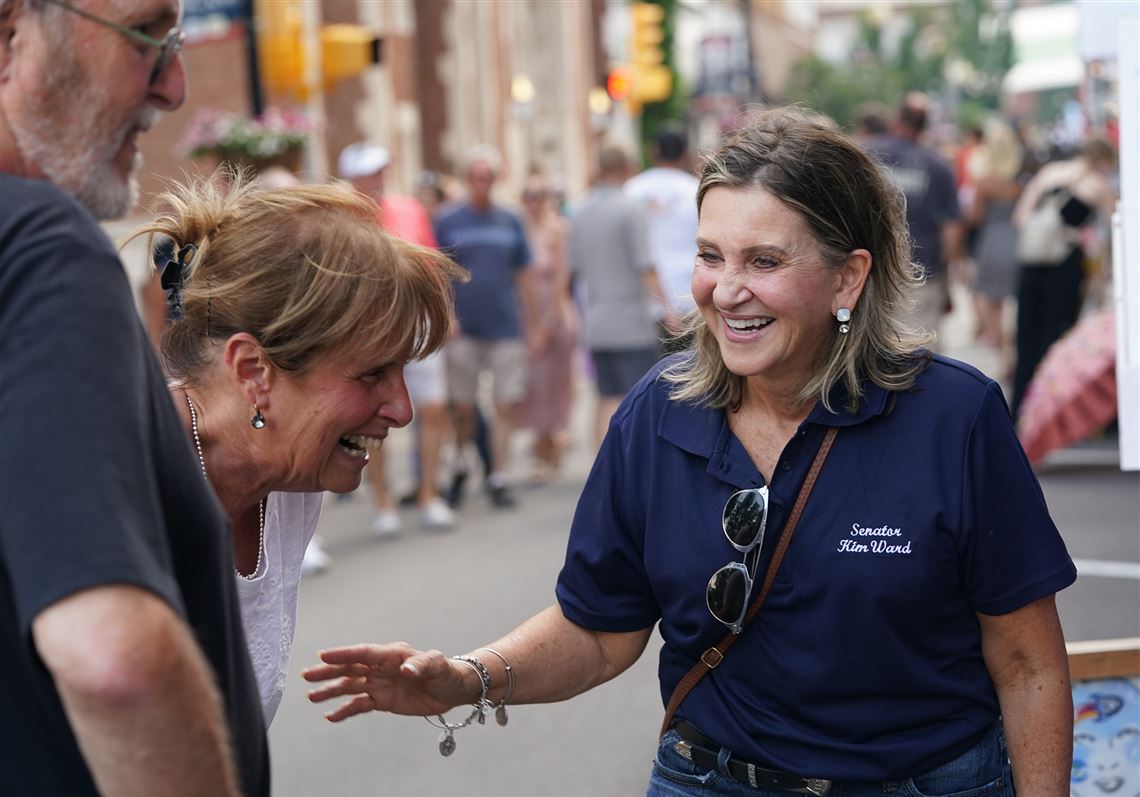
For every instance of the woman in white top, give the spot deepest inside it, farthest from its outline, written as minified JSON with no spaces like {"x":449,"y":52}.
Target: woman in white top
{"x":293,"y":315}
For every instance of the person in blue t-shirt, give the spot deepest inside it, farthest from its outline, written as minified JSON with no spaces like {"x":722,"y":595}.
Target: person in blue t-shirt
{"x":492,"y":311}
{"x":909,"y":641}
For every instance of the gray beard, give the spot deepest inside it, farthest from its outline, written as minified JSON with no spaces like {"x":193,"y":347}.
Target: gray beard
{"x":88,"y":174}
{"x":63,"y":149}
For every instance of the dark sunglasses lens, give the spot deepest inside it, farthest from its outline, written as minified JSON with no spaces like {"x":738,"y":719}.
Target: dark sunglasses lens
{"x":727,"y":594}
{"x":744,"y":517}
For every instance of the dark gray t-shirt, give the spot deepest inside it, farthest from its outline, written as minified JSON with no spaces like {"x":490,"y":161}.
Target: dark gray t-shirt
{"x":931,"y":199}
{"x":98,"y":485}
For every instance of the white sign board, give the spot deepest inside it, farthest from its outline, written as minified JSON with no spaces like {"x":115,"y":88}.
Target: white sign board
{"x":1126,"y":247}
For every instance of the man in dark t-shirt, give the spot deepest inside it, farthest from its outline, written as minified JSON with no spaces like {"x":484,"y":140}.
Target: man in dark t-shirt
{"x":932,"y":212}
{"x":122,"y":653}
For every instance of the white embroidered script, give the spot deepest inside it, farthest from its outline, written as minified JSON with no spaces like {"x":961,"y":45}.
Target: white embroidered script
{"x":874,"y":539}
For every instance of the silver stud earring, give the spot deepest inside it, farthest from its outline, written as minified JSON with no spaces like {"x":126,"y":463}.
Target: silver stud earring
{"x":258,"y":420}
{"x":843,"y":315}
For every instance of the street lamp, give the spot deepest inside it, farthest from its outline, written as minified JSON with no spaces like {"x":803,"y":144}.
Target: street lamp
{"x":522,"y":94}
{"x":599,"y":102}
{"x":522,"y":110}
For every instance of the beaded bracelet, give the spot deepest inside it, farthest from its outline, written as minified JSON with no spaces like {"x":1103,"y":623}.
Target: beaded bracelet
{"x":484,"y":705}
{"x":480,"y":709}
{"x":501,"y":709}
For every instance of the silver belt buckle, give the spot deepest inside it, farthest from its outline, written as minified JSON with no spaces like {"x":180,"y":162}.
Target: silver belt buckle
{"x":684,"y":749}
{"x":817,"y":786}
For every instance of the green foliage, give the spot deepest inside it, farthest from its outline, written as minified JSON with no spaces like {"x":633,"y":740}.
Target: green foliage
{"x":967,"y":37}
{"x":839,"y":92}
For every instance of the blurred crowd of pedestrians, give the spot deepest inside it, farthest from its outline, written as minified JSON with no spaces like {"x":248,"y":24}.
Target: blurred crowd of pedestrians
{"x":597,"y":288}
{"x":1024,"y":227}
{"x":556,"y":294}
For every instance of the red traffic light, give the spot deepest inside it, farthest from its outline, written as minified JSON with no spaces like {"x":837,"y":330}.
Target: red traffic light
{"x":619,"y":83}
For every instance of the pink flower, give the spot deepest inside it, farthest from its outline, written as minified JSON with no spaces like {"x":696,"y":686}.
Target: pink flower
{"x":214,"y":132}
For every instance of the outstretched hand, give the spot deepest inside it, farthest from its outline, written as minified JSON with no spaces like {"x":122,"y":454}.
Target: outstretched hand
{"x":395,"y":678}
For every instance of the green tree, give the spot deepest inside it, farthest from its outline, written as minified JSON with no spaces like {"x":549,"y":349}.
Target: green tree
{"x":968,"y":39}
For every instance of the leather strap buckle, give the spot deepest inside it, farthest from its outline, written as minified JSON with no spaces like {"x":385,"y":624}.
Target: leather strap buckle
{"x":712,"y":658}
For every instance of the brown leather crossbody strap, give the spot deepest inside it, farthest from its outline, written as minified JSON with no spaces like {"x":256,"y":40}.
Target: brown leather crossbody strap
{"x":712,"y":657}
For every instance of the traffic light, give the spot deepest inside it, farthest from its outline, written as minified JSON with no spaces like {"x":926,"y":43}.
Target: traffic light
{"x":651,"y":80}
{"x":346,"y":50}
{"x":279,"y":46}
{"x":618,"y":83}
{"x":647,"y":36}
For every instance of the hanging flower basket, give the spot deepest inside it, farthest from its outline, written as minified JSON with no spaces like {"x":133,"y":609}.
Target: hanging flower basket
{"x":276,"y":138}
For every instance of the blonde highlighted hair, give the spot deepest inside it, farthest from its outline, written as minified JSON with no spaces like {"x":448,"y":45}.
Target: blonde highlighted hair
{"x":848,"y":203}
{"x":307,"y":270}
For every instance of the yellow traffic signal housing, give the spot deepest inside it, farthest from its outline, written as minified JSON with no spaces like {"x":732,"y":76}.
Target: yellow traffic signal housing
{"x":650,"y":79}
{"x":279,"y":46}
{"x":652,"y":83}
{"x":645,"y":43}
{"x":346,"y":50}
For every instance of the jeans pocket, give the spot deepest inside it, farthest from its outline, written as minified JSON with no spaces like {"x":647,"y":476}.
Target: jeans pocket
{"x":671,"y":767}
{"x":981,"y":771}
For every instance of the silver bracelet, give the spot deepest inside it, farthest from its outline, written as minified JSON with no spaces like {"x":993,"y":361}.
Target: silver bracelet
{"x":501,"y":709}
{"x":480,"y":710}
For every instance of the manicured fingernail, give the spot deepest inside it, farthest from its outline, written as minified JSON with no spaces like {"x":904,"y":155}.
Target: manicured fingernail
{"x":409,"y":668}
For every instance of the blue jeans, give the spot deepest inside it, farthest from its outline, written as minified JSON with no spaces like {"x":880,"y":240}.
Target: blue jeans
{"x":982,"y":771}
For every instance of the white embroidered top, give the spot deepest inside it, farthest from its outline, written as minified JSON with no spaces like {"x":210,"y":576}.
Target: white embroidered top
{"x":269,"y":598}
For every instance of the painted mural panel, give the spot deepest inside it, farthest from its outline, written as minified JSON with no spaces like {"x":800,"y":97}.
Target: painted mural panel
{"x":1106,"y":738}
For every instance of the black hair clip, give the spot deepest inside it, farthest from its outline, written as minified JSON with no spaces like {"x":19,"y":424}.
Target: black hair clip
{"x":173,"y":274}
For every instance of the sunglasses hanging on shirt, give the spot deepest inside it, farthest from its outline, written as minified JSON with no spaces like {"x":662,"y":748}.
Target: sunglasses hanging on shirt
{"x":744,"y":519}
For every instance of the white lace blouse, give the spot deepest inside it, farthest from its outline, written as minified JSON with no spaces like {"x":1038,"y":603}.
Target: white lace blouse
{"x":269,"y":598}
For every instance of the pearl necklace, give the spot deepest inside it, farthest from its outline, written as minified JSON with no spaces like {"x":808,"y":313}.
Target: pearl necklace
{"x":260,"y":504}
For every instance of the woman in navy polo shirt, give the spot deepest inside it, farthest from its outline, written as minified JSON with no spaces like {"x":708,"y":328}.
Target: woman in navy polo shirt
{"x":910,"y":642}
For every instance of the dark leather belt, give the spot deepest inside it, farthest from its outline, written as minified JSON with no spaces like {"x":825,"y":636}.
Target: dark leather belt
{"x":704,"y":752}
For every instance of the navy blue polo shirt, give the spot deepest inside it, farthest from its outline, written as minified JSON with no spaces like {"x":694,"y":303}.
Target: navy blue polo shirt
{"x":865,"y":662}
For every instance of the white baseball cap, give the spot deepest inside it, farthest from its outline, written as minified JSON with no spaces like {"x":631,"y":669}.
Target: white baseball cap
{"x":361,"y":160}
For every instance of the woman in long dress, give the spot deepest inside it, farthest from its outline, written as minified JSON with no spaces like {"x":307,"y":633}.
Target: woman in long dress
{"x":551,"y":367}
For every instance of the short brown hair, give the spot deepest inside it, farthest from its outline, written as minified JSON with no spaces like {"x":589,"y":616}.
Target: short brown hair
{"x":614,"y":161}
{"x":304,"y":269}
{"x":847,"y":203}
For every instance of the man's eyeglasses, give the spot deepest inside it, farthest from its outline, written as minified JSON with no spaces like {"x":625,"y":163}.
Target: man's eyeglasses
{"x":744,"y":519}
{"x":168,"y":46}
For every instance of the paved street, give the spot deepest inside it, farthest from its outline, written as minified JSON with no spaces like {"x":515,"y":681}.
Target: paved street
{"x":458,"y":590}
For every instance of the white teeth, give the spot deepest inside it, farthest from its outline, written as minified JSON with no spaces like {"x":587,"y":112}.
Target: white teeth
{"x":745,"y":324}
{"x":363,"y":441}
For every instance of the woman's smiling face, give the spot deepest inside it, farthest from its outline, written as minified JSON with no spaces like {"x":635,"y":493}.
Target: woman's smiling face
{"x":330,"y":417}
{"x":763,"y":288}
